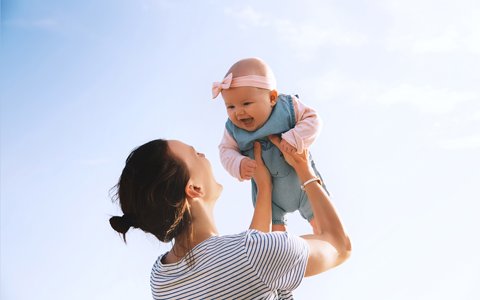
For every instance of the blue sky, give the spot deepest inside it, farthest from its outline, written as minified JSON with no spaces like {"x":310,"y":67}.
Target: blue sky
{"x":395,"y":83}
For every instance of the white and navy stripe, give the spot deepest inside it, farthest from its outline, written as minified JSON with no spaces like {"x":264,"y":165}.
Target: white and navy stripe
{"x":249,"y":265}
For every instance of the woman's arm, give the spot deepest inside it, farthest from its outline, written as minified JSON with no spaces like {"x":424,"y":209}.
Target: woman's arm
{"x":332,"y":246}
{"x":262,"y":215}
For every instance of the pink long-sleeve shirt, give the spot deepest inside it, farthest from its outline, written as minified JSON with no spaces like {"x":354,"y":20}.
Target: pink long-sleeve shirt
{"x":307,"y":127}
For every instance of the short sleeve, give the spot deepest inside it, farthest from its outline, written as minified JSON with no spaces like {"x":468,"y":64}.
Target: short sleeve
{"x":279,"y":258}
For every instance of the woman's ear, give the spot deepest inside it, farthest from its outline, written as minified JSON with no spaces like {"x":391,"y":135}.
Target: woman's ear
{"x":192,"y":190}
{"x":273,"y":97}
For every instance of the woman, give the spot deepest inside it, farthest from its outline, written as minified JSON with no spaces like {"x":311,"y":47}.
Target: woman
{"x":168,"y":189}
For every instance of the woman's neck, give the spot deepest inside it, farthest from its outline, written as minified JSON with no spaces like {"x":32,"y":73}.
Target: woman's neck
{"x":202,"y":227}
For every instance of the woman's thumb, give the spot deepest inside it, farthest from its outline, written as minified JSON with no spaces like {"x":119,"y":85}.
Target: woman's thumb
{"x":275,"y":139}
{"x":257,"y":152}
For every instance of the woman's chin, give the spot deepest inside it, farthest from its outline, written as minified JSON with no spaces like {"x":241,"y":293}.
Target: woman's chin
{"x":219,"y":188}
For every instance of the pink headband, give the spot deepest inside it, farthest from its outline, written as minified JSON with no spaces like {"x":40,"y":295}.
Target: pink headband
{"x":249,"y":80}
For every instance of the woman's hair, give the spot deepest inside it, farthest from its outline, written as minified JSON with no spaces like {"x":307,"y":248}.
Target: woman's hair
{"x":151,"y":192}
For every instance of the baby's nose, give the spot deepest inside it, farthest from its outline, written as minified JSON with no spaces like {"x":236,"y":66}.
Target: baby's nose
{"x":239,"y":111}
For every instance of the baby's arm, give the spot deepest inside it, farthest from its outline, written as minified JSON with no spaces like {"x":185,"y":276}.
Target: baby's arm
{"x":239,"y":166}
{"x":307,"y":126}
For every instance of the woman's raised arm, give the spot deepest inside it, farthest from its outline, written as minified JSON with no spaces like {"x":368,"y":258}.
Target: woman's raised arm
{"x":332,"y":245}
{"x":262,"y":215}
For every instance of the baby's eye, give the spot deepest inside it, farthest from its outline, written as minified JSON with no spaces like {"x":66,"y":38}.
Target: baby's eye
{"x":247,"y":103}
{"x":230,"y":107}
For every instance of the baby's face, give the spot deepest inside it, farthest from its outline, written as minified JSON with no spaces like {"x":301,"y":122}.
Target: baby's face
{"x":249,"y":107}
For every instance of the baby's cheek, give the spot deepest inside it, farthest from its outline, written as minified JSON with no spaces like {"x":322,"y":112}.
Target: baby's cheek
{"x":231,"y":115}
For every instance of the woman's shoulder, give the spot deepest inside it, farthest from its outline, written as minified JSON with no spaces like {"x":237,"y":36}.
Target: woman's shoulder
{"x":248,"y":241}
{"x":279,"y":258}
{"x":283,"y":241}
{"x":274,"y":235}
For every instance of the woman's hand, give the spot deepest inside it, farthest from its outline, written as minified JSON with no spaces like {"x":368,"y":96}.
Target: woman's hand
{"x":332,"y":245}
{"x":299,"y":161}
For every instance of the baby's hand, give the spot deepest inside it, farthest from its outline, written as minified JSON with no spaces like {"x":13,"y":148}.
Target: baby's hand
{"x":286,"y":147}
{"x":247,"y":168}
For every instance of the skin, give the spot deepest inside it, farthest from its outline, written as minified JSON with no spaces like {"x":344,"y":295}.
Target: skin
{"x":326,"y":250}
{"x":329,"y":246}
{"x":249,"y":107}
{"x":202,"y":192}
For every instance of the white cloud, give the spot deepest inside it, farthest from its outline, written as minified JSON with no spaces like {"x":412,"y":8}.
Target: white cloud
{"x":476,"y":116}
{"x":451,"y":116}
{"x":248,"y":17}
{"x":304,"y":36}
{"x":334,"y":85}
{"x":462,"y":143}
{"x":424,"y":98}
{"x":444,"y":43}
{"x":449,"y":41}
{"x":311,"y":35}
{"x":434,"y":27}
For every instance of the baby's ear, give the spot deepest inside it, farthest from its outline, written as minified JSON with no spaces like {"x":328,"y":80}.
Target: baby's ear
{"x":273,"y":97}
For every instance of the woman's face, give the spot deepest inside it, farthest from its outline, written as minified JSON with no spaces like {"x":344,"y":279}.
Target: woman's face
{"x":199,"y":167}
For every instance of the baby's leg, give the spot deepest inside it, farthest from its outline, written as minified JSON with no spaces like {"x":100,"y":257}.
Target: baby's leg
{"x":279,"y":227}
{"x":279,"y":220}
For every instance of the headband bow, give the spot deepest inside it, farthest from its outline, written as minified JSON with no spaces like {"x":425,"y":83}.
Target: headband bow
{"x":219,"y":86}
{"x":262,"y":82}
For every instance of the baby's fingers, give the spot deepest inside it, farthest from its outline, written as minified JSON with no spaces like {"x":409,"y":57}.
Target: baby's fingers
{"x":251,"y":166}
{"x":250,"y":173}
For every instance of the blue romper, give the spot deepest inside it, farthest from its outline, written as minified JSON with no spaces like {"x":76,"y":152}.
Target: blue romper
{"x":287,"y":196}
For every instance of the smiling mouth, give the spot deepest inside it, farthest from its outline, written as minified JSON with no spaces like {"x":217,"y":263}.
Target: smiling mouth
{"x":247,"y":122}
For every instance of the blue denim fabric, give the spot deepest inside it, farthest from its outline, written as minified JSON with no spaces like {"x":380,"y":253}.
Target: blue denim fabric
{"x":287,"y":196}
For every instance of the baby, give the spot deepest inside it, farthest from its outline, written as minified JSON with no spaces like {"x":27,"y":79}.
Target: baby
{"x":255,"y":111}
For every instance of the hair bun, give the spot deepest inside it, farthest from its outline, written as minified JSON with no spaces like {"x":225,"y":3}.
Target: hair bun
{"x":121,"y":224}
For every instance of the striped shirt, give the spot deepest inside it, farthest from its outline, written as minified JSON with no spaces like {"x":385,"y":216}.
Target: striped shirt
{"x":248,"y":265}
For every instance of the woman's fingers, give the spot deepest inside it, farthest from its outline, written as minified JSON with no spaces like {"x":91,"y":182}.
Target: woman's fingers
{"x":275,"y":139}
{"x":292,"y":157}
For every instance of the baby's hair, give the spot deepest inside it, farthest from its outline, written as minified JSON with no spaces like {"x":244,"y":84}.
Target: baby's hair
{"x":251,"y":66}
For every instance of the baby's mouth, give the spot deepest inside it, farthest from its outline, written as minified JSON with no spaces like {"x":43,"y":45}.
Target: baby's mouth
{"x":247,"y":122}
